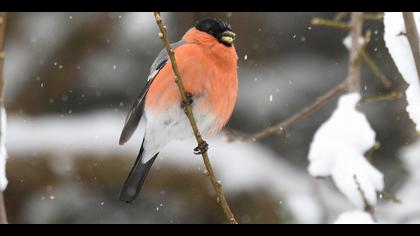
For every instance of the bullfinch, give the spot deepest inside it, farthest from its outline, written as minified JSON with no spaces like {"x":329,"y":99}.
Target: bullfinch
{"x":207,"y":62}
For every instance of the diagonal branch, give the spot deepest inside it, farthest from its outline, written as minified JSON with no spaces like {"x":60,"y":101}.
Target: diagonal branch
{"x":188,"y":111}
{"x":374,"y":68}
{"x":282,"y":126}
{"x":413,"y":38}
{"x":368,"y":207}
{"x":351,"y":84}
{"x":336,"y":23}
{"x":3,"y":216}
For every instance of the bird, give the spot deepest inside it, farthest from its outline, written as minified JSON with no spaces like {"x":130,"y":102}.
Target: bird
{"x":207,"y":61}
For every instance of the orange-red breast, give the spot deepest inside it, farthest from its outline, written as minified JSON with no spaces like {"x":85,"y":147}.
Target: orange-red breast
{"x":207,"y":61}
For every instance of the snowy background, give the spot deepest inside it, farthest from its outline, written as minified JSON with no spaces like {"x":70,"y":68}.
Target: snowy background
{"x":71,"y":77}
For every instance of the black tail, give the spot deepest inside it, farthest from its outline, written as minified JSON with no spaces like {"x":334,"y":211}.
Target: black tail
{"x":135,"y":180}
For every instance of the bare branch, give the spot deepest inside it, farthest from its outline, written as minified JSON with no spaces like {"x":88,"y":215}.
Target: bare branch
{"x":413,"y":38}
{"x":373,"y":16}
{"x":188,"y":111}
{"x":330,"y":23}
{"x":3,"y":216}
{"x":386,"y":97}
{"x":374,"y":68}
{"x":354,"y":66}
{"x":340,"y":15}
{"x":2,"y":53}
{"x":368,"y":207}
{"x":282,"y":126}
{"x":390,"y":197}
{"x":352,"y":83}
{"x":337,"y":23}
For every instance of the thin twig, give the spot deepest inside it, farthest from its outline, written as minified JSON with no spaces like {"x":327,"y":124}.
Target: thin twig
{"x":373,"y":16}
{"x":337,"y":23}
{"x":413,"y":38}
{"x":3,"y":216}
{"x":371,"y":62}
{"x":390,"y":197}
{"x":282,"y":126}
{"x":330,"y":23}
{"x":340,"y":15}
{"x":368,"y":207}
{"x":321,"y":101}
{"x":374,"y":68}
{"x":386,"y":97}
{"x":188,"y":111}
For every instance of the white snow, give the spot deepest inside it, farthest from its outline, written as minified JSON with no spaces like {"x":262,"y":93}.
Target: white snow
{"x":355,"y":217}
{"x":3,"y":151}
{"x":304,"y":208}
{"x":400,"y":51}
{"x":338,"y":148}
{"x":240,"y":166}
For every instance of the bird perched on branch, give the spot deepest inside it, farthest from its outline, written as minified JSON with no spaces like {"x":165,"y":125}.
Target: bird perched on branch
{"x":207,"y":62}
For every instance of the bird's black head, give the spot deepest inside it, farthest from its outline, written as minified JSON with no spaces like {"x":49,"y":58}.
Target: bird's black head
{"x":218,"y":29}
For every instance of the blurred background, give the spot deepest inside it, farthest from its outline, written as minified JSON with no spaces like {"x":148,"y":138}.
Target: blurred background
{"x":70,"y":79}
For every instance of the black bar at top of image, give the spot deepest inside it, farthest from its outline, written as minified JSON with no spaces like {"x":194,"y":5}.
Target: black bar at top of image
{"x":211,"y":5}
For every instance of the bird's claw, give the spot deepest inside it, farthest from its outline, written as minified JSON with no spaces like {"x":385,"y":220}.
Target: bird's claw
{"x":189,"y":100}
{"x":202,"y":148}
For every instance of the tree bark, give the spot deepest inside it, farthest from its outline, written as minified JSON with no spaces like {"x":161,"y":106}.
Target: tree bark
{"x":3,"y":216}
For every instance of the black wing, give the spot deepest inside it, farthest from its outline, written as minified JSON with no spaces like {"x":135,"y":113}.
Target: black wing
{"x":136,"y":112}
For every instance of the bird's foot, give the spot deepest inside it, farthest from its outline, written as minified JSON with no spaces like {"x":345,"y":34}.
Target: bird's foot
{"x":189,"y":100}
{"x":202,"y":148}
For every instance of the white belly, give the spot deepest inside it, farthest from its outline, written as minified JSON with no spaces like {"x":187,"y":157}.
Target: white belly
{"x":162,"y":128}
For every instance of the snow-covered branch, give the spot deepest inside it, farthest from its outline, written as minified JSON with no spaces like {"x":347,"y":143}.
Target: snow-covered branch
{"x":338,"y":149}
{"x":412,"y":35}
{"x":339,"y":145}
{"x":401,"y":44}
